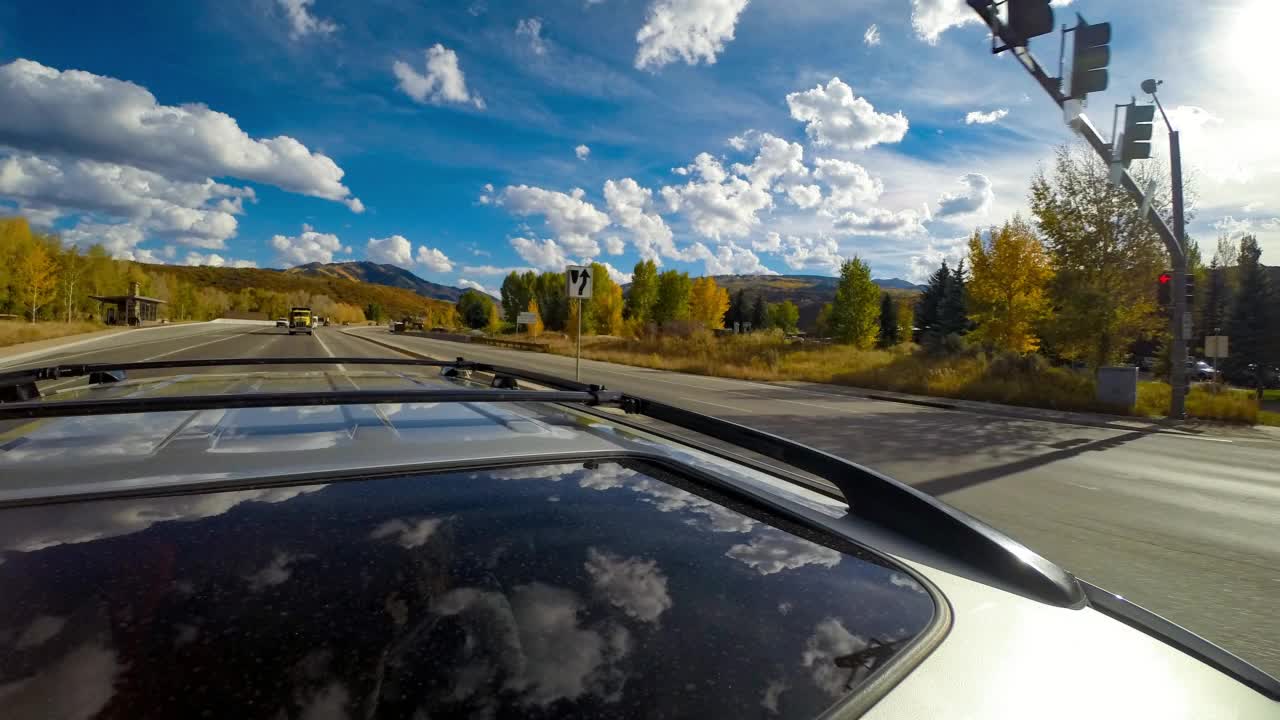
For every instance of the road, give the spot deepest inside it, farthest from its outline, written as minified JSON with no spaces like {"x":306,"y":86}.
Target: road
{"x":1188,"y":526}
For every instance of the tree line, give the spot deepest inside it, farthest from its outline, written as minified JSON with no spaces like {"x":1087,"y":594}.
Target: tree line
{"x":44,"y":279}
{"x":1075,"y":282}
{"x":656,"y":300}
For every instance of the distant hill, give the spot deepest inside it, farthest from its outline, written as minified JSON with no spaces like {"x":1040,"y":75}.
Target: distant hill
{"x":395,"y":301}
{"x":378,"y":274}
{"x":808,"y":292}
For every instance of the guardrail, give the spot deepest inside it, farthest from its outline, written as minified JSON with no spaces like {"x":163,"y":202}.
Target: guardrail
{"x":514,"y":344}
{"x":477,"y":339}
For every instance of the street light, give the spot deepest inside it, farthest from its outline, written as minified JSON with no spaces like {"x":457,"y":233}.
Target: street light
{"x":1177,"y":371}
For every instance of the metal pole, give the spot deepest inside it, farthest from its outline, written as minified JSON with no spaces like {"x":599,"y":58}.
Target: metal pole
{"x":1178,"y":350}
{"x":577,"y":363}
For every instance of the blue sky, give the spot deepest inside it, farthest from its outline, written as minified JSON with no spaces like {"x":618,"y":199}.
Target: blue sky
{"x":461,"y":139}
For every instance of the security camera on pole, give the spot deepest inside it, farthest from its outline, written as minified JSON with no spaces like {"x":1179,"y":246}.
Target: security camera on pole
{"x":580,"y":283}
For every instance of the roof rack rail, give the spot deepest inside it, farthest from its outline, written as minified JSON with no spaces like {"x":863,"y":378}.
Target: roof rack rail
{"x":870,"y":496}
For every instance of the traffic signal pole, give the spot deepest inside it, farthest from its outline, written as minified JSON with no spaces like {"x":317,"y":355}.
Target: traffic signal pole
{"x":1178,"y":348}
{"x":1172,"y":242}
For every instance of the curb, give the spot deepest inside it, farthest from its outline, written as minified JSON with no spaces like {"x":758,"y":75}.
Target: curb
{"x":389,"y":346}
{"x":912,"y":401}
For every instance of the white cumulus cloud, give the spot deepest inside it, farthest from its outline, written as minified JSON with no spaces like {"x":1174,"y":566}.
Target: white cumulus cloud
{"x":582,"y":151}
{"x":544,"y":255}
{"x":808,"y":254}
{"x":198,"y":214}
{"x":835,"y":117}
{"x":632,"y":207}
{"x":302,"y":22}
{"x":777,"y":159}
{"x":636,"y":586}
{"x":393,"y":250}
{"x":985,"y":118}
{"x":976,"y":197}
{"x":473,"y":285}
{"x":443,"y":81}
{"x":773,"y":551}
{"x":872,"y":36}
{"x":804,"y":196}
{"x":849,"y":185}
{"x":718,"y":205}
{"x":690,"y":30}
{"x":307,"y":247}
{"x":614,"y":245}
{"x":79,"y":114}
{"x":573,"y":220}
{"x":433,"y":259}
{"x":930,"y":18}
{"x":728,"y":259}
{"x":830,"y":640}
{"x":878,"y":221}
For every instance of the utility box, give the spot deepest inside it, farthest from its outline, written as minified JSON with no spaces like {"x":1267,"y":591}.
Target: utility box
{"x":1118,"y":386}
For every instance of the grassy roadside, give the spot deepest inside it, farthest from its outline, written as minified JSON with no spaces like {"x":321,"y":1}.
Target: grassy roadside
{"x":971,"y":375}
{"x":16,"y":332}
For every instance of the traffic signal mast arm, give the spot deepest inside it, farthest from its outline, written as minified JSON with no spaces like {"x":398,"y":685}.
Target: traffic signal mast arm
{"x":1080,"y":123}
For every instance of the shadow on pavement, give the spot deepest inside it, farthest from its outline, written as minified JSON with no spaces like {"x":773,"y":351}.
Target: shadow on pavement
{"x":951,"y":483}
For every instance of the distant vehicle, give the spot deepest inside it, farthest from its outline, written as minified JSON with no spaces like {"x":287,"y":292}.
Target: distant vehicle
{"x":1199,"y":370}
{"x":453,"y":543}
{"x":439,"y":329}
{"x":282,"y":322}
{"x":300,"y":320}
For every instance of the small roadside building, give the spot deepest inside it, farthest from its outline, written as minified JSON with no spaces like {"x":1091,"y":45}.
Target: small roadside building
{"x":131,"y":309}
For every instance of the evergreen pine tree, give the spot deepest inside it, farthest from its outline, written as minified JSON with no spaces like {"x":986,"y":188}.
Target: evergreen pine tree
{"x":759,"y":314}
{"x":888,"y":321}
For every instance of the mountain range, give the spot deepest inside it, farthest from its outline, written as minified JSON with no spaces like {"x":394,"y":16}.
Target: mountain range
{"x":378,"y":274}
{"x":808,"y":292}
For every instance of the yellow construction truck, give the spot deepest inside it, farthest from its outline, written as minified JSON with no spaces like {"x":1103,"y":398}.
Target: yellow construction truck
{"x":300,"y":320}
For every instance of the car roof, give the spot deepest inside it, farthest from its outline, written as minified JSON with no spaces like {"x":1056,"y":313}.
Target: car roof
{"x":579,"y":589}
{"x":225,"y":447}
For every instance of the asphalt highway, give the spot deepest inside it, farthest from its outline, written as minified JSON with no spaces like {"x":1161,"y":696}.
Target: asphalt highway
{"x":1186,"y":525}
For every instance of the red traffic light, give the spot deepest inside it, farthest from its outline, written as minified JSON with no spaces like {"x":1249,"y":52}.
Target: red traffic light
{"x":1165,"y":278}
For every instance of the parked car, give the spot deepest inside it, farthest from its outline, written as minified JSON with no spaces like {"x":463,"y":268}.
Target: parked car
{"x":457,"y":545}
{"x":282,"y":322}
{"x":1200,"y":370}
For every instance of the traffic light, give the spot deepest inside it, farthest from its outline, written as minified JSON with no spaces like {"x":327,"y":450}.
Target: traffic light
{"x":1138,"y":123}
{"x":1165,"y":287}
{"x":1189,"y":284}
{"x":1089,"y":58}
{"x":1028,"y":19}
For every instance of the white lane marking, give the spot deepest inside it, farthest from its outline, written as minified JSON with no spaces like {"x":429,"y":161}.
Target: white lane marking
{"x":1081,"y":485}
{"x":60,"y":357}
{"x":1188,"y":436}
{"x":23,"y":358}
{"x":161,"y":355}
{"x":327,"y":351}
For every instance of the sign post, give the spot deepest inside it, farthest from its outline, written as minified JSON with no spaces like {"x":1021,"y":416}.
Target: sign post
{"x":526,"y":319}
{"x":1215,"y":346}
{"x":580,"y":284}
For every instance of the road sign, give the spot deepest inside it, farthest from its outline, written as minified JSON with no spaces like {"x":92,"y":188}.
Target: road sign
{"x":527,"y":318}
{"x":579,"y":281}
{"x":1215,"y":346}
